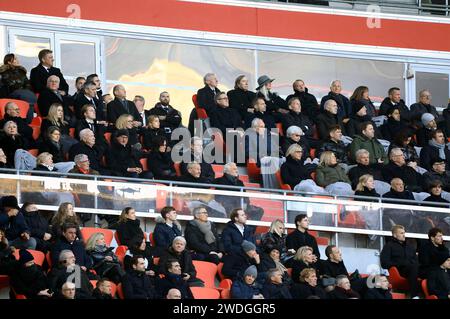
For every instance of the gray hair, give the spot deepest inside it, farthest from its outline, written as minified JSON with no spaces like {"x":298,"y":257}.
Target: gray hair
{"x":83,"y":133}
{"x":196,"y":210}
{"x":63,"y":254}
{"x":395,"y":151}
{"x":334,"y":82}
{"x":293,"y":148}
{"x":255,"y":122}
{"x":340,"y":278}
{"x":327,"y":103}
{"x":179,"y":238}
{"x":360,"y":153}
{"x":218,"y":95}
{"x":293,"y":130}
{"x":272,"y":272}
{"x":207,"y":76}
{"x":88,"y":85}
{"x":191,"y":164}
{"x":227,"y":167}
{"x":52,"y":77}
{"x":80,"y":158}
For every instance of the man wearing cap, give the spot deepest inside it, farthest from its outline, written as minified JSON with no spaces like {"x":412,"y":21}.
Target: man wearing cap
{"x":273,"y":101}
{"x":122,"y":159}
{"x":29,"y":279}
{"x":205,"y":95}
{"x":436,"y":149}
{"x":235,"y":263}
{"x":439,"y":280}
{"x":423,"y":135}
{"x":437,"y":172}
{"x":245,"y":287}
{"x":13,"y":223}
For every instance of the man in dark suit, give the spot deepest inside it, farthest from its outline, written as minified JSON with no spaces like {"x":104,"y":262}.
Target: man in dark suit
{"x":120,"y":105}
{"x":139,"y":101}
{"x":94,"y":78}
{"x":205,"y":96}
{"x":40,"y":73}
{"x":89,"y":96}
{"x":52,"y":95}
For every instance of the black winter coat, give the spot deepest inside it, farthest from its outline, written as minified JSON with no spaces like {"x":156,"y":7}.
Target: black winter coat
{"x":173,"y":117}
{"x":150,"y":136}
{"x":267,"y":117}
{"x":235,"y":264}
{"x":205,"y":99}
{"x":232,"y":237}
{"x":137,"y":285}
{"x":115,"y":109}
{"x":229,"y":202}
{"x":308,"y":101}
{"x":13,"y":226}
{"x":325,"y":120}
{"x":287,"y":142}
{"x":298,"y":119}
{"x":225,"y":118}
{"x":207,"y":171}
{"x":81,"y":100}
{"x":430,"y":153}
{"x":405,"y":113}
{"x":297,"y":239}
{"x":293,"y":172}
{"x":170,"y":281}
{"x":241,"y":100}
{"x":378,"y":293}
{"x":22,"y":126}
{"x":55,"y":149}
{"x":340,"y":293}
{"x":37,"y":224}
{"x":339,"y":149}
{"x":298,"y":265}
{"x":412,"y":179}
{"x":368,"y":193}
{"x":391,"y":128}
{"x":46,"y":124}
{"x":241,"y":290}
{"x":39,"y":76}
{"x":29,"y":281}
{"x":196,"y":239}
{"x":430,"y":176}
{"x":439,"y":283}
{"x":359,"y":170}
{"x":430,"y":256}
{"x":273,"y":291}
{"x":94,"y":154}
{"x":77,"y":247}
{"x":47,"y":98}
{"x":184,"y":258}
{"x":161,"y":165}
{"x":119,"y":158}
{"x":274,"y":103}
{"x":333,"y":269}
{"x":59,"y":275}
{"x":10,"y":146}
{"x":396,"y":253}
{"x":344,"y":107}
{"x":13,"y":78}
{"x":163,"y":235}
{"x":128,"y":231}
{"x":304,"y":290}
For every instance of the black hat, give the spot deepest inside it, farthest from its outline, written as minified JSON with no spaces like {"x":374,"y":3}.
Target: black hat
{"x":263,"y":79}
{"x":357,"y":106}
{"x":25,"y":256}
{"x":442,"y":257}
{"x":435,"y":160}
{"x":10,"y":201}
{"x":122,"y":132}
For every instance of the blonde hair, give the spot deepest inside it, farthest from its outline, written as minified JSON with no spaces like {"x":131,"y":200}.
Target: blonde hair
{"x":363,"y":180}
{"x":305,"y":273}
{"x":300,"y":254}
{"x":292,"y":149}
{"x":325,"y":158}
{"x":121,"y":122}
{"x":396,"y":228}
{"x":90,"y":245}
{"x":41,"y":157}
{"x":274,"y":226}
{"x":151,"y":118}
{"x":52,"y":115}
{"x":9,"y":123}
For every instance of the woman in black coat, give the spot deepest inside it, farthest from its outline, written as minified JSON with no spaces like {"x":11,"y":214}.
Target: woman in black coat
{"x":366,"y":187}
{"x":276,"y":238}
{"x":159,"y":160}
{"x":393,"y":125}
{"x":201,"y":236}
{"x":52,"y":144}
{"x":125,"y":122}
{"x":140,"y":247}
{"x":403,"y":140}
{"x":240,"y":97}
{"x":129,"y":228}
{"x":38,"y":226}
{"x":304,"y":258}
{"x":152,"y":132}
{"x":293,"y":171}
{"x":11,"y":141}
{"x":307,"y":286}
{"x":179,"y":252}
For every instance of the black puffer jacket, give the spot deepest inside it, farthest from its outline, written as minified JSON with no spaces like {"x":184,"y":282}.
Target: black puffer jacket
{"x":128,"y":231}
{"x":196,"y":239}
{"x":13,"y":78}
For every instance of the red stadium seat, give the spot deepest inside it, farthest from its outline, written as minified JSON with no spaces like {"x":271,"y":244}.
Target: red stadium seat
{"x":177,"y":167}
{"x":398,"y":295}
{"x":107,"y":136}
{"x":38,"y":256}
{"x":4,"y":281}
{"x":143,"y":162}
{"x":120,"y":291}
{"x":205,"y":293}
{"x":72,"y":132}
{"x":206,"y":271}
{"x":34,"y":152}
{"x":226,"y":284}
{"x":23,"y":106}
{"x":253,"y":170}
{"x":397,"y":281}
{"x":120,"y":253}
{"x":280,"y":181}
{"x":201,"y":112}
{"x":116,"y":236}
{"x":219,"y":271}
{"x":151,"y":239}
{"x":425,"y":290}
{"x":225,"y":294}
{"x":280,"y":129}
{"x":87,"y":232}
{"x":48,"y":258}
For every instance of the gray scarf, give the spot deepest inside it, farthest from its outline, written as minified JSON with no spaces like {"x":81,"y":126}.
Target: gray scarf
{"x":205,"y":228}
{"x":441,"y":148}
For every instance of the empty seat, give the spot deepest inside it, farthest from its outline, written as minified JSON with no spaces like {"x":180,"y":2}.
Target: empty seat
{"x":205,"y":293}
{"x":206,"y":271}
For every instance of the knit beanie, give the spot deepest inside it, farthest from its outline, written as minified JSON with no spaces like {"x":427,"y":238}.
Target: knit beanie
{"x":247,"y":246}
{"x":427,"y":118}
{"x":251,"y":271}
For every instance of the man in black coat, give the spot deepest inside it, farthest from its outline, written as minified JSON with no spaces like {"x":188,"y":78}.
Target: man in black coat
{"x":136,"y":284}
{"x":40,"y":73}
{"x":394,"y":99}
{"x":398,"y":253}
{"x":397,"y":168}
{"x":88,"y":147}
{"x":69,"y":241}
{"x":236,"y":231}
{"x":327,"y":119}
{"x":334,"y":144}
{"x":437,"y":172}
{"x":29,"y":279}
{"x":439,"y":280}
{"x":436,"y":149}
{"x":343,"y":103}
{"x":297,"y":118}
{"x":431,"y":252}
{"x":364,"y":167}
{"x":120,"y":105}
{"x":173,"y":279}
{"x":89,"y":120}
{"x":300,"y":236}
{"x":424,"y":106}
{"x":224,"y":117}
{"x":196,"y":154}
{"x":274,"y":288}
{"x":381,"y":290}
{"x":40,"y":230}
{"x":169,"y":117}
{"x":230,"y":178}
{"x":166,"y":229}
{"x":334,"y":265}
{"x":260,"y":112}
{"x":202,"y":238}
{"x":308,"y":101}
{"x":205,"y":95}
{"x":50,"y":95}
{"x":89,"y":96}
{"x":12,"y":113}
